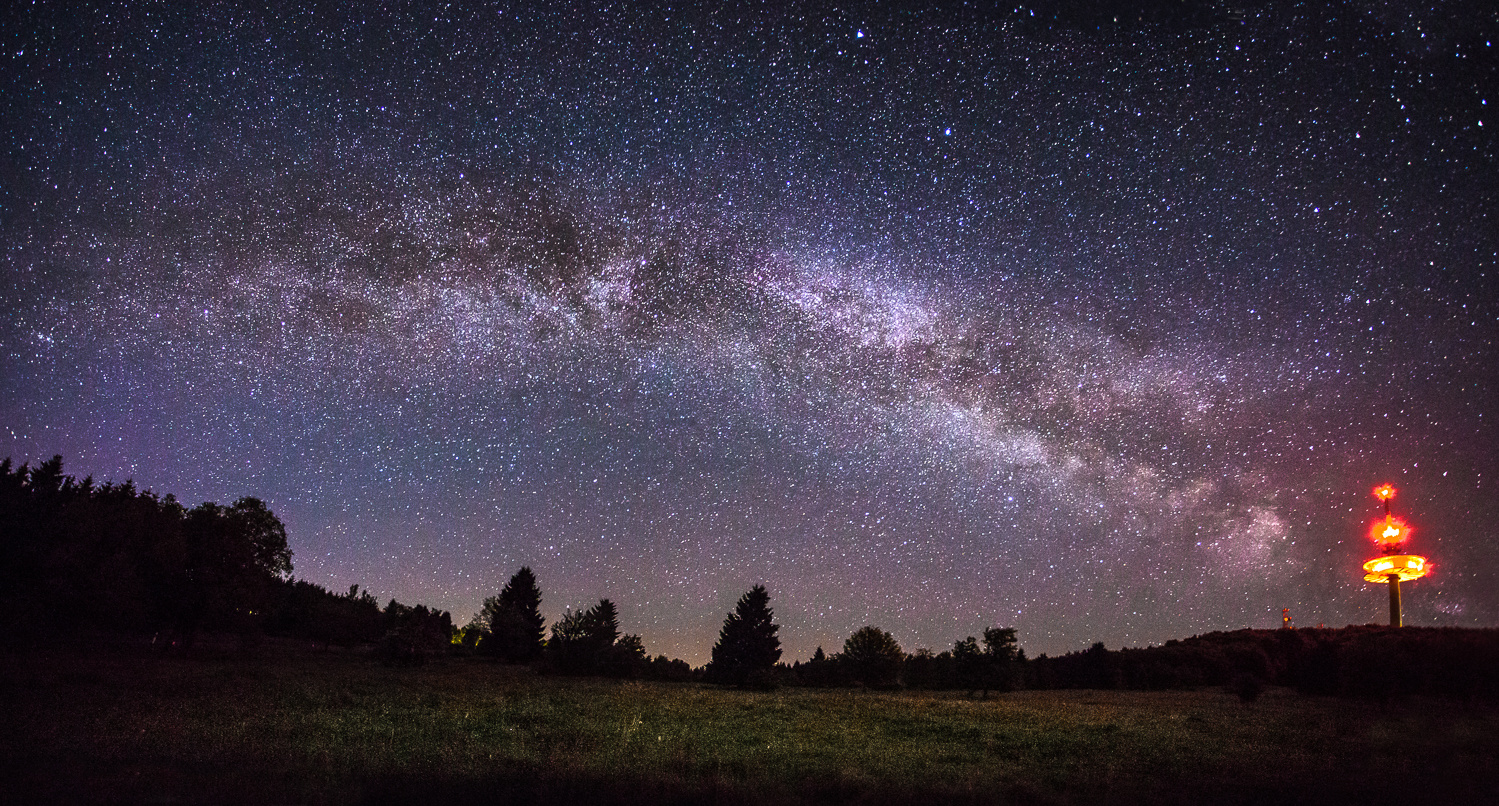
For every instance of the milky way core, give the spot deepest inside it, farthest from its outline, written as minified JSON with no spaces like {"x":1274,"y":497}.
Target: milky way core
{"x":1102,"y":328}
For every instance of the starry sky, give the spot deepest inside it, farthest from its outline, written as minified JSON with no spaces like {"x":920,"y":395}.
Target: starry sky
{"x":1100,"y":324}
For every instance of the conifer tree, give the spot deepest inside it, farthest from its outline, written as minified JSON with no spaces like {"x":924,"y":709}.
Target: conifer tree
{"x":747,"y":645}
{"x":602,"y":626}
{"x":513,"y":619}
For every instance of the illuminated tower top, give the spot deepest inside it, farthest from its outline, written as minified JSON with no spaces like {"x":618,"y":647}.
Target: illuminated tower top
{"x":1394,"y":567}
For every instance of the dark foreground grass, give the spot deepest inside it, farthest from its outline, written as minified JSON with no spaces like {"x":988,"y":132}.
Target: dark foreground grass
{"x":278,"y":727}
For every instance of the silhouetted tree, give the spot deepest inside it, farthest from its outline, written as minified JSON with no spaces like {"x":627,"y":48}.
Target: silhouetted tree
{"x":818,"y":671}
{"x":995,"y":666}
{"x":669,"y":669}
{"x":626,"y":658}
{"x":1001,"y":670}
{"x":567,"y":649}
{"x":747,"y":648}
{"x":930,"y":671}
{"x":968,"y":662}
{"x":582,"y":641}
{"x":263,"y":536}
{"x":872,"y":657}
{"x":234,"y":556}
{"x":512,"y":621}
{"x":1101,"y":667}
{"x":602,"y":625}
{"x":414,"y":634}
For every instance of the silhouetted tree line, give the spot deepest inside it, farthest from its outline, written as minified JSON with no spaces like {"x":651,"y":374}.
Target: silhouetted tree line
{"x":1367,"y":661}
{"x":872,"y":658}
{"x":400,"y":633}
{"x":109,"y":557}
{"x":308,"y":610}
{"x":511,"y":629}
{"x":113,"y":558}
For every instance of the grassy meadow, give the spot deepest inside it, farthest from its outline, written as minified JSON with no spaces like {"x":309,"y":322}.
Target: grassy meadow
{"x":278,"y":726}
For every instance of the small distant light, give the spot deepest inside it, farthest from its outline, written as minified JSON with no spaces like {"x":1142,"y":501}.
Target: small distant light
{"x":858,"y":34}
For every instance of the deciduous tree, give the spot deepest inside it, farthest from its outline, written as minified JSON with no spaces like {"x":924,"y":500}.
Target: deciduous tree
{"x":871,"y":656}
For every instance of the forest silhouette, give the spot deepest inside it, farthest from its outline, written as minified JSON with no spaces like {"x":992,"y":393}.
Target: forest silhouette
{"x":109,"y":558}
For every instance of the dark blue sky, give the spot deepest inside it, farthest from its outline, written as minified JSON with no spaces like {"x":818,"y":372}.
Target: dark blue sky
{"x":1098,"y":325}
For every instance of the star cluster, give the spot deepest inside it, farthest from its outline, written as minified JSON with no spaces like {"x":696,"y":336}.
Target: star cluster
{"x":1097,"y":325}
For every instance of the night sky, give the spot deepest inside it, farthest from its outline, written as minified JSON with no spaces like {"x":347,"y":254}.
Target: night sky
{"x":1101,"y":328}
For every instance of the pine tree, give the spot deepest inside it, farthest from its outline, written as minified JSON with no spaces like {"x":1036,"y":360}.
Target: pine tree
{"x":747,"y":647}
{"x":602,"y":626}
{"x":513,"y":620}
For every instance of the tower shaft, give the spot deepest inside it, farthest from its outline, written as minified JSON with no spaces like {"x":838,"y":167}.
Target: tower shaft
{"x":1395,"y":620}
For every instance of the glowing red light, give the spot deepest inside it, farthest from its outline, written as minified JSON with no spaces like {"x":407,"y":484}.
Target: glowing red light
{"x":1389,"y":532}
{"x":1384,"y":492}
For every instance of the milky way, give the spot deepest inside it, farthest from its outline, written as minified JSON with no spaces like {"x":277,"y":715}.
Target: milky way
{"x":1100,"y":327}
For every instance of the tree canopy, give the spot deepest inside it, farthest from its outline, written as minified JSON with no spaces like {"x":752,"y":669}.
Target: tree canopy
{"x":588,"y":642}
{"x":872,"y":657}
{"x":118,"y":558}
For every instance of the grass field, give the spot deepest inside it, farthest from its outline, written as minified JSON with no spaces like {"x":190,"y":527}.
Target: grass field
{"x":278,"y":727}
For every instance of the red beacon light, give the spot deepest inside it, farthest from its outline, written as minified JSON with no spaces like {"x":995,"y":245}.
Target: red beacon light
{"x":1389,"y":534}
